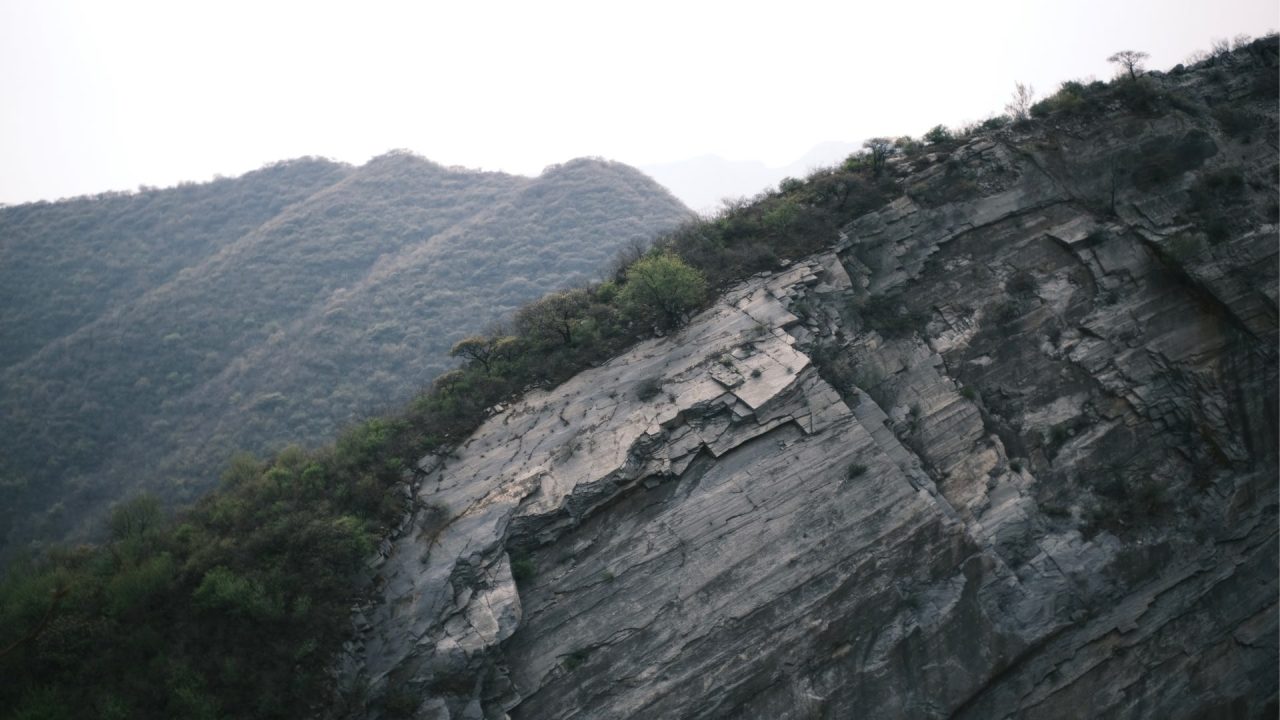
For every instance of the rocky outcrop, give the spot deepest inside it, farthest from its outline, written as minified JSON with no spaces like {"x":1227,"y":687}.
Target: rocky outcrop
{"x":1043,"y":484}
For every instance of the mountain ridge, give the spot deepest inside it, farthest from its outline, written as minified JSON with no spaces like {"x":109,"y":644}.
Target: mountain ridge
{"x":141,"y":363}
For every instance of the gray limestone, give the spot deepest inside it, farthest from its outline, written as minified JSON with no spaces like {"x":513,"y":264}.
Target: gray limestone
{"x":1056,"y":504}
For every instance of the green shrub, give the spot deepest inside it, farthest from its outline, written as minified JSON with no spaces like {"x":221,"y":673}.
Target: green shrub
{"x":222,"y":590}
{"x":662,"y":288}
{"x":648,"y":388}
{"x":576,"y":659}
{"x":938,"y":134}
{"x":522,"y":566}
{"x":789,"y":185}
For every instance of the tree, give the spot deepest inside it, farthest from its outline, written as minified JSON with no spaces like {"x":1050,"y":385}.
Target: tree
{"x":1129,"y":61}
{"x":135,"y":518}
{"x":481,"y":349}
{"x":878,"y":149}
{"x":1019,"y":107}
{"x":554,"y":316}
{"x":939,"y":134}
{"x":662,"y":288}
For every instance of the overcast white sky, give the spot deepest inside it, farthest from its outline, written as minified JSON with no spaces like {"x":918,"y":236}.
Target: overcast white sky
{"x":109,"y":95}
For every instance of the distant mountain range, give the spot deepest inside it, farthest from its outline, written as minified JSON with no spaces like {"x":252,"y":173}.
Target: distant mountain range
{"x":145,"y":337}
{"x":704,"y":181}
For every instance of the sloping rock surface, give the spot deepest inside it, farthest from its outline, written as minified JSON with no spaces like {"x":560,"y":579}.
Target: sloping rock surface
{"x":1052,"y":495}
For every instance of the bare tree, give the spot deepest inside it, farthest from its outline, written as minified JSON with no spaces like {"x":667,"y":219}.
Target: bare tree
{"x":1019,"y":107}
{"x":1220,"y":47}
{"x":626,"y":256}
{"x":1130,"y":61}
{"x":1241,"y":40}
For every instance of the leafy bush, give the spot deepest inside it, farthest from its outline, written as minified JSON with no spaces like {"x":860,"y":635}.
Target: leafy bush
{"x":648,"y":388}
{"x":938,"y":134}
{"x":661,"y":288}
{"x":1237,"y":122}
{"x":1071,"y":97}
{"x":576,"y":659}
{"x":522,"y":566}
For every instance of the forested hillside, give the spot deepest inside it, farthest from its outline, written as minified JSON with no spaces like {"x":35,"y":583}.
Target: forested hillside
{"x":146,"y":337}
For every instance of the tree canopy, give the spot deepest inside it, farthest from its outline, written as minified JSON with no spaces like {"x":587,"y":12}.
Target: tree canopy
{"x":662,"y":288}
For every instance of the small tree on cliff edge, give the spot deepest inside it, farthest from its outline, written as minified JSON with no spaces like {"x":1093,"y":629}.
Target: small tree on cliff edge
{"x":1019,"y":106}
{"x":878,"y":150}
{"x":661,"y":288}
{"x":1129,"y":61}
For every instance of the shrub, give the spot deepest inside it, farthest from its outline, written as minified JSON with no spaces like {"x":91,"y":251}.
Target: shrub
{"x":648,"y":388}
{"x":522,"y":566}
{"x":855,"y":470}
{"x":1139,"y":95}
{"x":1237,"y":123}
{"x":789,"y":185}
{"x":1021,"y":284}
{"x":1212,"y":198}
{"x":576,"y":659}
{"x":938,"y":134}
{"x":994,"y":123}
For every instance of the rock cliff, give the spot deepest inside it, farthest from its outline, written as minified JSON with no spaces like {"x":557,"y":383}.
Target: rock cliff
{"x":1008,"y":449}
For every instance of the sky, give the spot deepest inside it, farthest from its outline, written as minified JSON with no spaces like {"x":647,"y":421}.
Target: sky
{"x":104,"y":96}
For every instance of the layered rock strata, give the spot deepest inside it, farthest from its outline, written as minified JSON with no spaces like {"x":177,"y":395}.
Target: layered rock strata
{"x":1045,"y":486}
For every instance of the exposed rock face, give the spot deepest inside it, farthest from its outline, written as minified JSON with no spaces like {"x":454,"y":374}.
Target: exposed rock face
{"x":1053,"y":495}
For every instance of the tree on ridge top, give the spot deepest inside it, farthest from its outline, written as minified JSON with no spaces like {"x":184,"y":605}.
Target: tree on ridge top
{"x":1130,"y":61}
